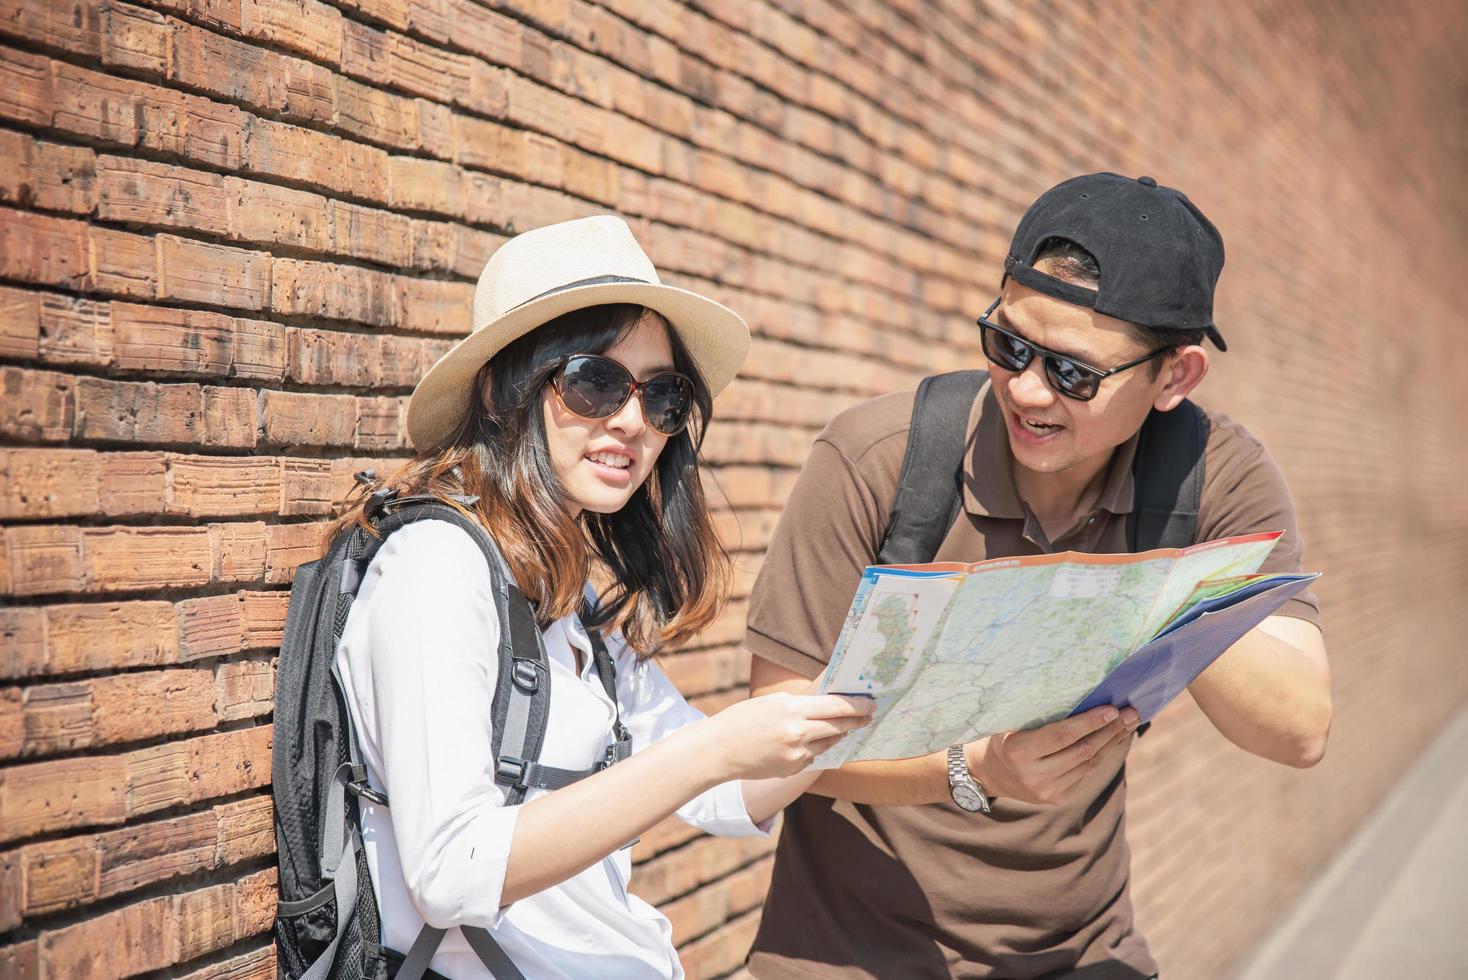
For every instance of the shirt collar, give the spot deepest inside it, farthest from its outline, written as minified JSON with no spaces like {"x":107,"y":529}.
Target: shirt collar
{"x":988,"y":468}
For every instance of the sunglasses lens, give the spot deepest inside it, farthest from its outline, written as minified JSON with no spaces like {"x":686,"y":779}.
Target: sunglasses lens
{"x":1070,"y":378}
{"x":594,"y":387}
{"x":667,"y":400}
{"x":1008,"y":352}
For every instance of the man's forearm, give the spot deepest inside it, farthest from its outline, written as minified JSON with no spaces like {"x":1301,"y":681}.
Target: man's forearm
{"x":904,"y":782}
{"x":1269,"y":693}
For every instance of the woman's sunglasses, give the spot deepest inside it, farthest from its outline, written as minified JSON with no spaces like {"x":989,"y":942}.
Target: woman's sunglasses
{"x":1070,"y":377}
{"x":596,"y":387}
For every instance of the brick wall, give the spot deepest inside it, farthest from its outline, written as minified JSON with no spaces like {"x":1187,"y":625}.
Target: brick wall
{"x":233,"y":233}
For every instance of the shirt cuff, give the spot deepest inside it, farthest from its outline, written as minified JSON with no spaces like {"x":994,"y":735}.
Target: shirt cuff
{"x":721,"y":812}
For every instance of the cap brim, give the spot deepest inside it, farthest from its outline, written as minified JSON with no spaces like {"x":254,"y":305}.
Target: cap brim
{"x":716,"y":337}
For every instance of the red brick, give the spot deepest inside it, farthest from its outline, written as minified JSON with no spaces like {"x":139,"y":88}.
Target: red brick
{"x":263,"y":79}
{"x":218,"y":275}
{"x":434,"y":305}
{"x":45,"y":558}
{"x":130,"y":940}
{"x":132,"y":483}
{"x":293,"y":419}
{"x":428,"y":71}
{"x":147,"y":558}
{"x":229,"y":763}
{"x":376,"y":116}
{"x":337,"y":292}
{"x":142,"y":192}
{"x":245,"y":830}
{"x":306,"y":26}
{"x":47,"y":175}
{"x":20,"y":961}
{"x":26,"y":81}
{"x":59,"y":874}
{"x":212,"y":486}
{"x":170,"y":340}
{"x":138,"y":411}
{"x":239,"y":551}
{"x":147,"y":853}
{"x":12,"y":887}
{"x":74,"y":331}
{"x":135,"y":39}
{"x":40,"y":249}
{"x":327,"y":357}
{"x":123,"y":263}
{"x":278,"y":216}
{"x":371,"y":234}
{"x":23,"y":632}
{"x":47,"y":796}
{"x":230,"y":417}
{"x":48,"y":483}
{"x":212,"y":625}
{"x":94,"y":636}
{"x":292,"y":545}
{"x":246,"y":689}
{"x":415,"y":184}
{"x":263,"y":619}
{"x":73,"y":25}
{"x":380,"y":424}
{"x":256,"y":965}
{"x":20,"y":323}
{"x":128,"y":708}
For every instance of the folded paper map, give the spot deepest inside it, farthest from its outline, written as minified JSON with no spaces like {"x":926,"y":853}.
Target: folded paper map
{"x":954,"y":652}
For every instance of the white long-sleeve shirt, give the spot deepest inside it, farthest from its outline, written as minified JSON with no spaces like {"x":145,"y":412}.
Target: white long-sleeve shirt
{"x":419,"y":661}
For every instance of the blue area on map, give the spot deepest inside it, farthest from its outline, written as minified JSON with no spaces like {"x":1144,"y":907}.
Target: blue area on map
{"x":1155,"y":674}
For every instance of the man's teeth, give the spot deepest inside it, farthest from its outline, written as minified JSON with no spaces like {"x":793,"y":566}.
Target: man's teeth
{"x":610,"y":459}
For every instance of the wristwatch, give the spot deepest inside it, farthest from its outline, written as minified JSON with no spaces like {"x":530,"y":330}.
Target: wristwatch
{"x":966,"y":791}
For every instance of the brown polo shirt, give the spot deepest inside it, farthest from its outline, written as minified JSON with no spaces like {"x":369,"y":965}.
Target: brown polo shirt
{"x":934,"y":891}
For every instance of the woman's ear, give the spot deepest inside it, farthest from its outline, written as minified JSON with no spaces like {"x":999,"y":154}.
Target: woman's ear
{"x":486,"y":391}
{"x":1184,"y":369}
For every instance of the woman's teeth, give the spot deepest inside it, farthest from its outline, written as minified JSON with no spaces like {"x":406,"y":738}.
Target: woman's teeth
{"x":610,"y":459}
{"x":1039,"y":426}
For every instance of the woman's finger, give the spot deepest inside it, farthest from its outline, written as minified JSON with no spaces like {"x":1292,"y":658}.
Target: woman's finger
{"x":839,"y":706}
{"x":821,"y":745}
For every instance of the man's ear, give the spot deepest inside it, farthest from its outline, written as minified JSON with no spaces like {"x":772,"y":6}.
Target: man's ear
{"x":1183,"y":370}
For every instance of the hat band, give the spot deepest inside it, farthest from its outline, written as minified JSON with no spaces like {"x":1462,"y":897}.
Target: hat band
{"x":593,"y":281}
{"x":1067,"y":292}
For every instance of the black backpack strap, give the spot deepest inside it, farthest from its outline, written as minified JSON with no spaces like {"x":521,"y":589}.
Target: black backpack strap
{"x":929,"y":491}
{"x":1168,"y":474}
{"x":606,"y":669}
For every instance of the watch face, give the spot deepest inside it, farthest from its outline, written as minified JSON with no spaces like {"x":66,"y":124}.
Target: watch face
{"x":968,"y":799}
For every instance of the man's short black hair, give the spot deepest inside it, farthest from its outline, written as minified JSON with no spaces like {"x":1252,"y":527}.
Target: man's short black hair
{"x":1069,"y":261}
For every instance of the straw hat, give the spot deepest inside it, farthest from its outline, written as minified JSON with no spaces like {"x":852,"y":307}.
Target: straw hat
{"x":541,"y":274}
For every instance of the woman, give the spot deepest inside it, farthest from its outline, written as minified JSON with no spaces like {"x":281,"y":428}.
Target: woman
{"x":572,"y":413}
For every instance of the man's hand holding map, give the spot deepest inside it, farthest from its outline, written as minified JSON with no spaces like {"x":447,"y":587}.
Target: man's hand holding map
{"x":955,"y":652}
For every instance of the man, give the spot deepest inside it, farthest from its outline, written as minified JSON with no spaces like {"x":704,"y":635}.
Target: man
{"x":1106,"y":299}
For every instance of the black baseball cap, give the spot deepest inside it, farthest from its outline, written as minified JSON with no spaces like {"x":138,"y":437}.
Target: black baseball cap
{"x":1159,"y":256}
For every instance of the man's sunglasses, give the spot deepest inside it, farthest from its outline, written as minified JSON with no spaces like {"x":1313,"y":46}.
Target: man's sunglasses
{"x":596,"y":387}
{"x":1070,"y":377}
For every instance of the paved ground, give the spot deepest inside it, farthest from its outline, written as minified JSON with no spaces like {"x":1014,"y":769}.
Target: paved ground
{"x":1395,"y":903}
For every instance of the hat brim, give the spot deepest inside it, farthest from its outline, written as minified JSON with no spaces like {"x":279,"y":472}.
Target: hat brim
{"x":716,"y":337}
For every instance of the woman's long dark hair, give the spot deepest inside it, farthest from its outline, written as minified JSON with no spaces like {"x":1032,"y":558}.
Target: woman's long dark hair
{"x":664,"y":573}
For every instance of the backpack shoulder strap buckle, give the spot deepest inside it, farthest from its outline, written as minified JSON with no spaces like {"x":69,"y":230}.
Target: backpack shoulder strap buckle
{"x":376,"y":501}
{"x":356,"y":784}
{"x":509,"y":770}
